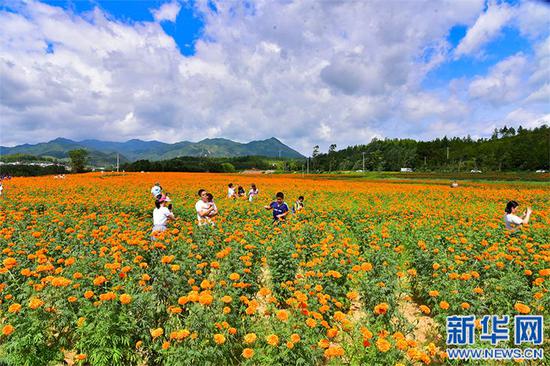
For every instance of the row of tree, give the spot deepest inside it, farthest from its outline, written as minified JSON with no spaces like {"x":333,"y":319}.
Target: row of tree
{"x":506,"y":150}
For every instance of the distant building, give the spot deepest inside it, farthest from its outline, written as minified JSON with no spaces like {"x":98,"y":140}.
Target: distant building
{"x":406,"y":170}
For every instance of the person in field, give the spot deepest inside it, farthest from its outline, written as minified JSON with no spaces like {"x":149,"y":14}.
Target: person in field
{"x":298,"y":205}
{"x":253,"y":192}
{"x":1,"y":188}
{"x":231,"y":191}
{"x":454,"y":184}
{"x":214,"y":212}
{"x":279,"y":207}
{"x":156,"y":191}
{"x":204,"y":208}
{"x":240,"y":191}
{"x":512,"y":220}
{"x":161,"y":215}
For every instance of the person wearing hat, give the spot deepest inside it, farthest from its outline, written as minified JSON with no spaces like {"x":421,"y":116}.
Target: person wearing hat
{"x":156,"y":191}
{"x":161,"y":214}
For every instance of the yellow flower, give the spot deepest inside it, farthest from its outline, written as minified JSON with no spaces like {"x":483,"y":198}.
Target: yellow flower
{"x":219,"y":338}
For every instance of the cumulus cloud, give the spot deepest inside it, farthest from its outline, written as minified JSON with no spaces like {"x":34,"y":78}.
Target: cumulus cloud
{"x":168,"y":11}
{"x":502,"y":85}
{"x":307,"y":73}
{"x":486,"y":28}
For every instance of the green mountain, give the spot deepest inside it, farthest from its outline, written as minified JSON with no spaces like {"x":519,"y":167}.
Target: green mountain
{"x":104,"y":152}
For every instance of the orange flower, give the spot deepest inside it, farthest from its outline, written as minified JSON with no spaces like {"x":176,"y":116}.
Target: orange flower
{"x":219,"y":338}
{"x":272,"y":340}
{"x":155,"y":333}
{"x":425,"y":309}
{"x":282,"y":315}
{"x":99,"y":280}
{"x":81,"y":356}
{"x":7,"y":329}
{"x":248,"y":353}
{"x":295,"y":338}
{"x":250,"y":338}
{"x":234,"y":276}
{"x":226,"y":299}
{"x":205,"y":298}
{"x":125,"y":299}
{"x":444,"y":305}
{"x":383,"y":345}
{"x":165,"y":345}
{"x":14,"y":308}
{"x":35,"y":303}
{"x":381,"y":308}
{"x":88,"y":294}
{"x":465,"y":305}
{"x":521,"y":308}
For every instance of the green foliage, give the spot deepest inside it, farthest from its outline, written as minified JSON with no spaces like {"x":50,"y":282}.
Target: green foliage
{"x":78,"y":159}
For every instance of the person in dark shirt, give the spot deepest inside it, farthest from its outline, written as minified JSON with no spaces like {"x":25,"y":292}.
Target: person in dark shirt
{"x":279,"y":207}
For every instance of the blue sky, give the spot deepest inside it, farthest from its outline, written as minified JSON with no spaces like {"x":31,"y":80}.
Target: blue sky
{"x":307,"y":73}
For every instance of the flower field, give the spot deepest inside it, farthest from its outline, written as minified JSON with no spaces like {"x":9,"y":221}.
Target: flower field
{"x":365,"y":275}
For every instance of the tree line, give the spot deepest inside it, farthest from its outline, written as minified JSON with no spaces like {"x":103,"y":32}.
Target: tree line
{"x":508,"y":149}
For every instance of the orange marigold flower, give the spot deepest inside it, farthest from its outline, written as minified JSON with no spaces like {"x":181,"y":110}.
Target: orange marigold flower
{"x":219,"y":338}
{"x":7,"y":329}
{"x":272,"y":340}
{"x":81,"y":356}
{"x":125,"y":299}
{"x":226,"y":299}
{"x":383,"y":345}
{"x":35,"y":303}
{"x":88,"y":294}
{"x":282,"y":315}
{"x":234,"y":276}
{"x":522,"y":308}
{"x":381,"y":309}
{"x":99,"y":280}
{"x":465,"y":305}
{"x":444,"y":305}
{"x":250,"y":338}
{"x":295,"y":338}
{"x":155,"y":333}
{"x":14,"y":308}
{"x":248,"y":353}
{"x":425,"y":309}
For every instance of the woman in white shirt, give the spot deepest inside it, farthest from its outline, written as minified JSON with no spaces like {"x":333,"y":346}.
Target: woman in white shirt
{"x":512,"y":221}
{"x":161,"y":214}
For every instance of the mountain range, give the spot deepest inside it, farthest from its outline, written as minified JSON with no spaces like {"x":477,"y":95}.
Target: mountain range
{"x":104,"y":152}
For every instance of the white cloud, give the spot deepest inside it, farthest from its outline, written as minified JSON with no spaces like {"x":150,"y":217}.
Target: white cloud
{"x":168,"y":11}
{"x":503,"y":83}
{"x":533,"y":18}
{"x":307,"y":73}
{"x":527,"y":119}
{"x":486,"y":28}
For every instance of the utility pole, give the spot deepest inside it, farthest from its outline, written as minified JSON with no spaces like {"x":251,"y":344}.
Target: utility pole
{"x":117,"y":163}
{"x":308,"y":165}
{"x":363,"y":161}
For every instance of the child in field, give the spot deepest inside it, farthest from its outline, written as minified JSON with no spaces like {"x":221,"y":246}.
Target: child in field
{"x":298,"y":205}
{"x":231,"y":191}
{"x":253,"y":192}
{"x":454,"y":184}
{"x":161,"y":215}
{"x":279,"y":207}
{"x":1,"y":188}
{"x":214,"y":211}
{"x":203,"y":208}
{"x":240,"y":191}
{"x":512,"y":221}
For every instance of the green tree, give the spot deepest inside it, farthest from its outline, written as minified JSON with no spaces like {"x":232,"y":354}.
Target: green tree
{"x":78,"y":159}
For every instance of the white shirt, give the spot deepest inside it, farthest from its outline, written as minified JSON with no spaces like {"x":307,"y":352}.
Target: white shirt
{"x":156,"y":190}
{"x":512,"y":221}
{"x":230,"y":192}
{"x":160,"y":216}
{"x":201,"y":206}
{"x":214,"y":211}
{"x":252,"y":193}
